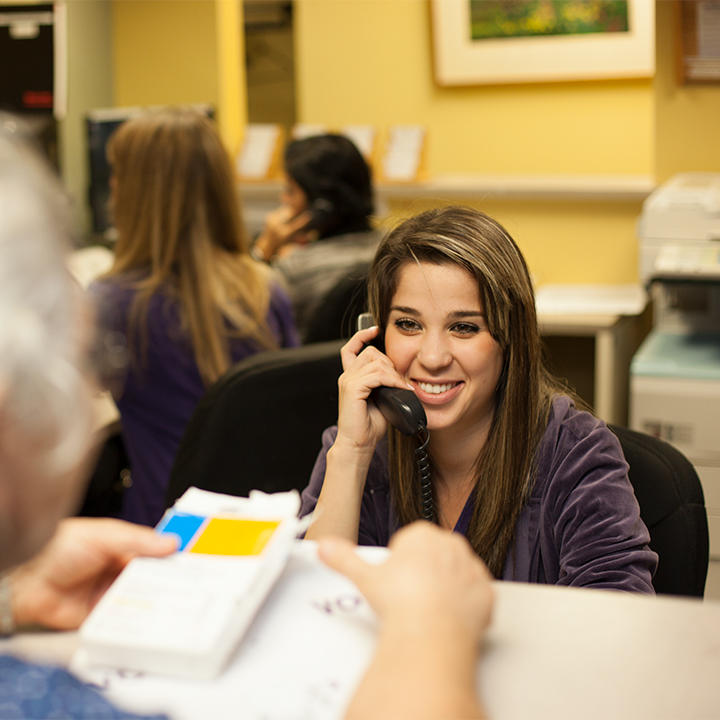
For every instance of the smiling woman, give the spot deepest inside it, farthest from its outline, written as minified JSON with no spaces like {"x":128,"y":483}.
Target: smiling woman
{"x":438,"y":340}
{"x":538,"y":486}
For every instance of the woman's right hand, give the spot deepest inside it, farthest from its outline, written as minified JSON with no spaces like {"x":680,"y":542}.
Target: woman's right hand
{"x":360,"y":423}
{"x":282,"y":228}
{"x":360,"y":426}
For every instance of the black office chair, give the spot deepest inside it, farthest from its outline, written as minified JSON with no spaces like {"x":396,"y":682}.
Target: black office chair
{"x":672,"y":506}
{"x":336,"y":314}
{"x":260,"y":425}
{"x":109,"y":478}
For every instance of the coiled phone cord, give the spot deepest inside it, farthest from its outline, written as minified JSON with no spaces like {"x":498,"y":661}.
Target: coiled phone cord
{"x":422,"y":462}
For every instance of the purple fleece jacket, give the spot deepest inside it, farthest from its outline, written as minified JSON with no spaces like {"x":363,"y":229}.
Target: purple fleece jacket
{"x":159,"y":392}
{"x":581,"y":525}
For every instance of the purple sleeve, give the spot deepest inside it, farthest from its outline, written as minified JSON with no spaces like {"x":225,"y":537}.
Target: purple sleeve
{"x":311,"y":493}
{"x":599,"y":538}
{"x":282,"y":318}
{"x":375,"y":523}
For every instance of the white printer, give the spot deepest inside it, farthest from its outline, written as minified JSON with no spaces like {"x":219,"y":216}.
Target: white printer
{"x":675,"y":374}
{"x":679,"y":229}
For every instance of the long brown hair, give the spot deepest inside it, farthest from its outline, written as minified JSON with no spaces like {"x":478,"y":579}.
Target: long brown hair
{"x":176,"y":211}
{"x":504,"y":467}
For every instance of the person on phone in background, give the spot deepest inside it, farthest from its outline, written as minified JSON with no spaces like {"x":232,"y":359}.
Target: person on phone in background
{"x":183,"y":290}
{"x":322,"y":229}
{"x":539,"y":487}
{"x":53,"y":571}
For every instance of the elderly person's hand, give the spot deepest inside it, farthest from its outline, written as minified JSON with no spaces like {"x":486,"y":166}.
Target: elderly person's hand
{"x":434,"y":599}
{"x":431,"y":577}
{"x":60,"y":585}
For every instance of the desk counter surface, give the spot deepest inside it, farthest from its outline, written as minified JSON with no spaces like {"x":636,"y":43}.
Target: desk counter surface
{"x":551,"y":652}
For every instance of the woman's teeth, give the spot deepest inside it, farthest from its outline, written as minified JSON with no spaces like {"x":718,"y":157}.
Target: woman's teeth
{"x":434,"y":389}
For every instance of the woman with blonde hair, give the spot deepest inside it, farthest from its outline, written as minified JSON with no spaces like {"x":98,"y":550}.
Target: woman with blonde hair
{"x":538,"y":486}
{"x":183,"y":290}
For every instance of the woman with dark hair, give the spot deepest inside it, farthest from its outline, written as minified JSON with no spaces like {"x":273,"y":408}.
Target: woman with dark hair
{"x":539,"y":487}
{"x":183,"y":289}
{"x":322,"y":229}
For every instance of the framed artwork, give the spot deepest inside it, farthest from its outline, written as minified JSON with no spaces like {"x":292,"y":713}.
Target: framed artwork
{"x":519,"y":41}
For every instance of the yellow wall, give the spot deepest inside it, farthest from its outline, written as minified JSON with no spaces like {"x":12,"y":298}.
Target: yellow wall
{"x":164,"y":52}
{"x":687,"y":117}
{"x":179,"y":52}
{"x":563,"y":242}
{"x":371,"y":61}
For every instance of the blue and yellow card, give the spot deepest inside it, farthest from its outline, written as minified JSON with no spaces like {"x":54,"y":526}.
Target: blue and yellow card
{"x":209,"y":535}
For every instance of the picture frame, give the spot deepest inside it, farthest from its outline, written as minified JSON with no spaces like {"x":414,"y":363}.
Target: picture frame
{"x":460,"y":60}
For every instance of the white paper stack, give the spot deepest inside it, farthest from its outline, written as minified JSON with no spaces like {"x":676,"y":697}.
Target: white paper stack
{"x":185,"y":614}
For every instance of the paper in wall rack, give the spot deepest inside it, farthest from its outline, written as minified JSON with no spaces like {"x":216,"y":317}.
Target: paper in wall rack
{"x":364,"y":137}
{"x":259,"y":155}
{"x":402,"y":159}
{"x":184,"y":615}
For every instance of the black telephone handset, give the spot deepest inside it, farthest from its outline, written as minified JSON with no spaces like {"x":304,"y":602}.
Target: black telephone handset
{"x":404,"y":411}
{"x":322,"y":216}
{"x":401,"y":407}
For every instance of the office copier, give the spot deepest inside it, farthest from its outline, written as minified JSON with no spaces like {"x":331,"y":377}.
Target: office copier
{"x":675,"y":374}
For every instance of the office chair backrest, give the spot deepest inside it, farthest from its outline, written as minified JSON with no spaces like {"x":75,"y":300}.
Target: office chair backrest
{"x":260,"y":425}
{"x":106,"y":484}
{"x":672,"y":506}
{"x":336,"y":314}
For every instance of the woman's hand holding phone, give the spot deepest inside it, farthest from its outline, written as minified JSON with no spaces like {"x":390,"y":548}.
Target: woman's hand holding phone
{"x":360,"y":426}
{"x":282,"y":230}
{"x":360,"y":423}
